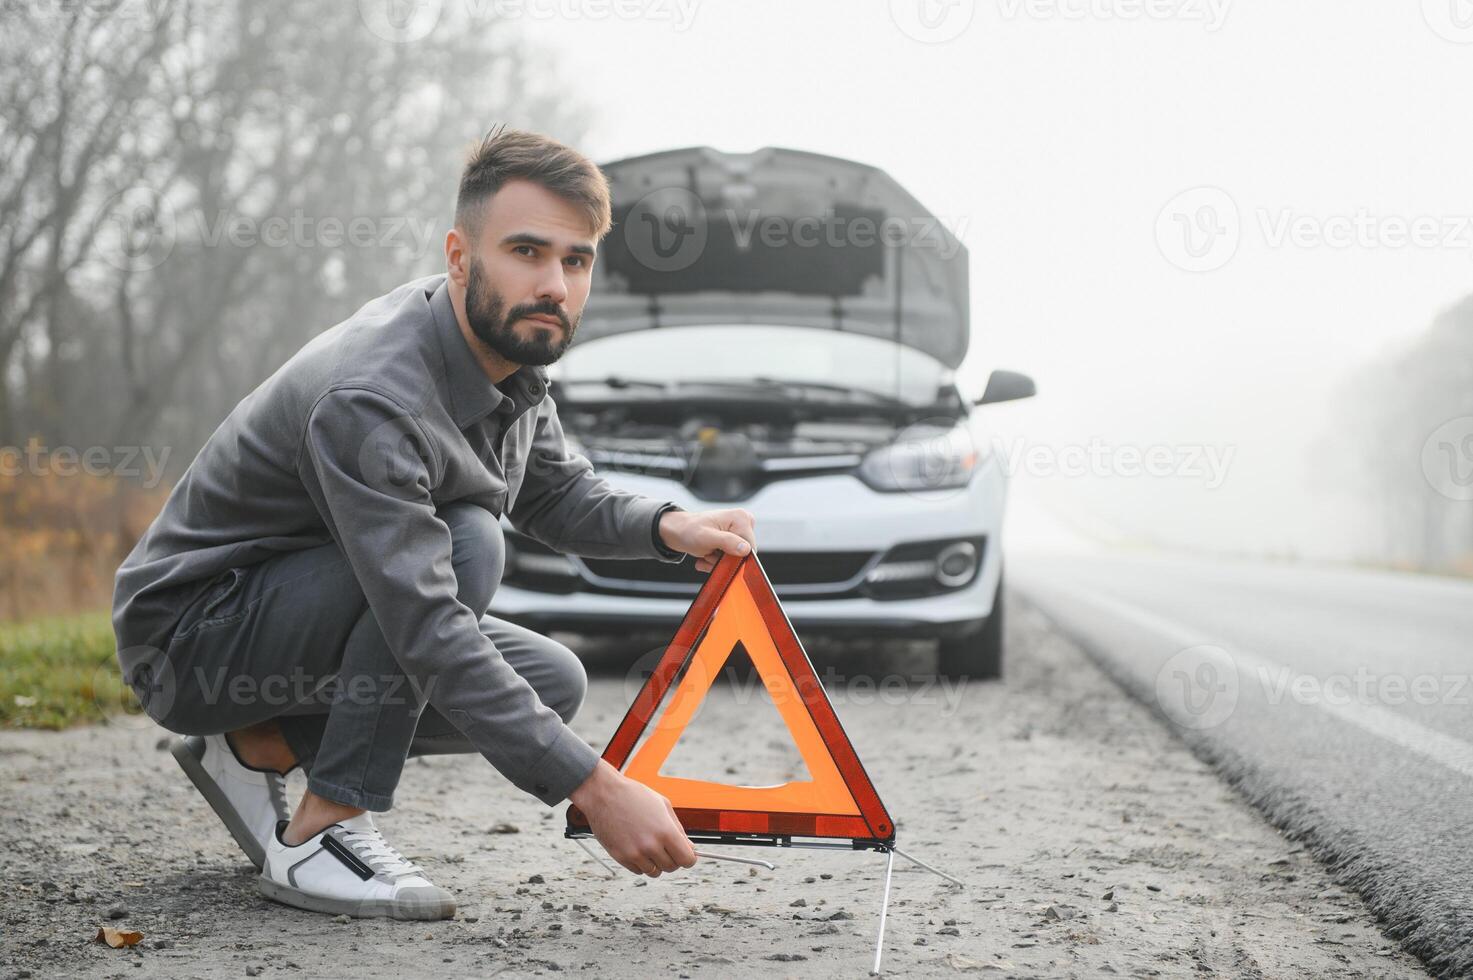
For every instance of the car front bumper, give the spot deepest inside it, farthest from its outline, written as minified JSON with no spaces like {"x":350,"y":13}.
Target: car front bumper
{"x":952,"y":614}
{"x":826,"y":513}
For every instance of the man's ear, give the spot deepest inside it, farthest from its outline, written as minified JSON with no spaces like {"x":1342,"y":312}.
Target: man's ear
{"x":457,"y":257}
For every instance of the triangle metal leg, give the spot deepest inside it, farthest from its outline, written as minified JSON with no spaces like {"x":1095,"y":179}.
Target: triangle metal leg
{"x":890,"y":852}
{"x":884,"y":907}
{"x":922,"y":864}
{"x":590,"y":852}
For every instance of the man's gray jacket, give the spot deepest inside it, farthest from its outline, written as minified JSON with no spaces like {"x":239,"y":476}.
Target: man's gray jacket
{"x":357,"y":440}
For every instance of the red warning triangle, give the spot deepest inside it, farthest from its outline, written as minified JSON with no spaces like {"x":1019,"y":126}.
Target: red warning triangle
{"x":737,"y":606}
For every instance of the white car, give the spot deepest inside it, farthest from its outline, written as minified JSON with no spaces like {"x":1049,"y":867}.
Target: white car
{"x":755,"y":340}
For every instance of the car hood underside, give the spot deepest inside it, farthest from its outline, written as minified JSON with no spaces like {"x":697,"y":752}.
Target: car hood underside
{"x":776,"y":236}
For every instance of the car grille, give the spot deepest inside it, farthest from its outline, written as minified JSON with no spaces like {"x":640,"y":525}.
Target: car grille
{"x":812,"y":573}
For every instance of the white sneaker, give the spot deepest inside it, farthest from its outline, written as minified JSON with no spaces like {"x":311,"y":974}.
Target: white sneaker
{"x":248,"y":800}
{"x":349,"y":869}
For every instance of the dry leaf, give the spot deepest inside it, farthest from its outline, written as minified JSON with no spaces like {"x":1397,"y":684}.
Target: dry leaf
{"x":118,"y":938}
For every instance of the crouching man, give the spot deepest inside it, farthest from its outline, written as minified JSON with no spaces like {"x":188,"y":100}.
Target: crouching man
{"x":314,"y":591}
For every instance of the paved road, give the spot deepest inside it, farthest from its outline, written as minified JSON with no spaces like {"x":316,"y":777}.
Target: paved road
{"x":1339,"y":701}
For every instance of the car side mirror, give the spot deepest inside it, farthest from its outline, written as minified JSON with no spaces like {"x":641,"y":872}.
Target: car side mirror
{"x":1005,"y":386}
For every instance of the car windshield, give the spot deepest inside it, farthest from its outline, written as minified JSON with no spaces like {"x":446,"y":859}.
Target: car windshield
{"x":746,"y":353}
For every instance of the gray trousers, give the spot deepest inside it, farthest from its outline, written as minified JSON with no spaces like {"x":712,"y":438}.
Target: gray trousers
{"x":292,"y":639}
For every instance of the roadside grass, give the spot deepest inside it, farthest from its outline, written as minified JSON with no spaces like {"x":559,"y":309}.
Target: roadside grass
{"x":60,"y":671}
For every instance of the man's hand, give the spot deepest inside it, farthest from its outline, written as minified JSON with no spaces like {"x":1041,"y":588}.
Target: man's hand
{"x":636,"y":825}
{"x":709,"y":534}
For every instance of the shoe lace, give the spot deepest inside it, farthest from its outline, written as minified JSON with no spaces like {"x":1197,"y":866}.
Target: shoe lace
{"x":379,"y":853}
{"x":276,"y":786}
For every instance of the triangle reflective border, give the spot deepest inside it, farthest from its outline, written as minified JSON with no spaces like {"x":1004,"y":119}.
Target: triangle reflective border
{"x":738,"y":607}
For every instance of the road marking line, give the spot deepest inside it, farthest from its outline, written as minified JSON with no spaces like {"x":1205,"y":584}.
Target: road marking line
{"x":1454,"y":753}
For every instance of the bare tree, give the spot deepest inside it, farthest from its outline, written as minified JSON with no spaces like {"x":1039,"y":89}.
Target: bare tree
{"x":73,"y":78}
{"x":1407,"y":442}
{"x":198,"y":186}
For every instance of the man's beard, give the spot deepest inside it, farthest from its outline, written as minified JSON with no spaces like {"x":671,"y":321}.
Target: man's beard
{"x":493,"y":324}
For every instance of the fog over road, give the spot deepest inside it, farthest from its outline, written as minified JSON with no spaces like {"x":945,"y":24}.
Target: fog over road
{"x":1338,"y":700}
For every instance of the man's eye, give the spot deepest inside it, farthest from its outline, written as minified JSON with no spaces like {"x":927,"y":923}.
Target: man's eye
{"x":529,"y":250}
{"x":577,"y":260}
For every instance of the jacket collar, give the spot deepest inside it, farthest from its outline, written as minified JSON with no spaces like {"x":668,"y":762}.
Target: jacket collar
{"x":472,"y":395}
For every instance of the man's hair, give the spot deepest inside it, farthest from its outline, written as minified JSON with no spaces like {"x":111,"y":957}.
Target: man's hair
{"x":511,"y":154}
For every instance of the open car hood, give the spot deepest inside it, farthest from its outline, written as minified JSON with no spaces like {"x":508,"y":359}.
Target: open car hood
{"x":776,"y":237}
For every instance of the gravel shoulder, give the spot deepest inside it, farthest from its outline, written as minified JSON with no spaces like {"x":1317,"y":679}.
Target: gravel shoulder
{"x":1092,"y":842}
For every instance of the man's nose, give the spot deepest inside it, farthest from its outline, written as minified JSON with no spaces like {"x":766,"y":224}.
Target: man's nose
{"x":554,"y":286}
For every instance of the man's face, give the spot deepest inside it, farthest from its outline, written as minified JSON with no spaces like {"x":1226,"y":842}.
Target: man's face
{"x":528,"y":278}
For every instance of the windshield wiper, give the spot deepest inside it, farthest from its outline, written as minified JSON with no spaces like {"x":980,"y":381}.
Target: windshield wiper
{"x":769,"y":384}
{"x":617,"y":381}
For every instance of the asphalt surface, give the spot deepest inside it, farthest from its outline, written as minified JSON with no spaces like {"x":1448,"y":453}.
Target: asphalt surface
{"x":1337,"y":700}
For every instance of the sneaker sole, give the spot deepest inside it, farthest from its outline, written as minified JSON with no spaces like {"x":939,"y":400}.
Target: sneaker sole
{"x":184,"y":754}
{"x":426,"y":909}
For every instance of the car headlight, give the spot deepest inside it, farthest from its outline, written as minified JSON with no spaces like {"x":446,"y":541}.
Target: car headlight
{"x":923,"y":458}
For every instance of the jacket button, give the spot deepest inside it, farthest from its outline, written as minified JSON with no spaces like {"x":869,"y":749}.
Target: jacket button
{"x":541,"y":789}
